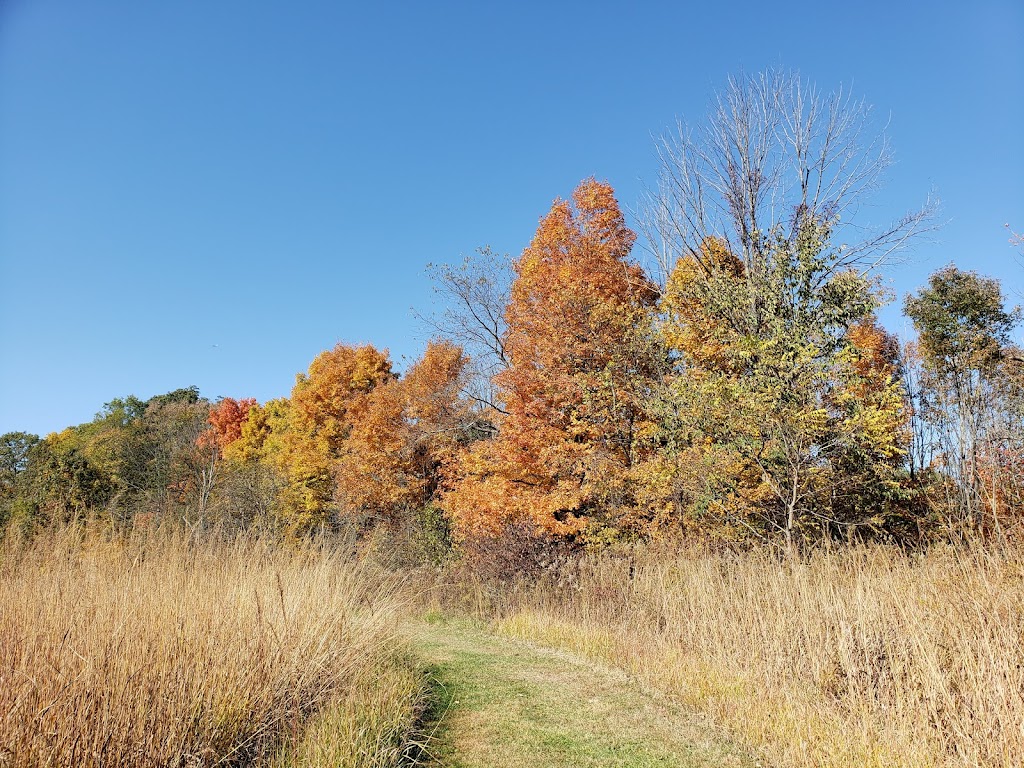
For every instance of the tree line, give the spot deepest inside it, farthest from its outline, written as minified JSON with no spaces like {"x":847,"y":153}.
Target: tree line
{"x":738,"y":388}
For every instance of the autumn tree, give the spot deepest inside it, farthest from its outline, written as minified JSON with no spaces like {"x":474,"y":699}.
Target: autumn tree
{"x":254,"y":478}
{"x":400,"y":436}
{"x":771,"y":395}
{"x":152,"y":452}
{"x":317,"y":422}
{"x":569,"y":399}
{"x":240,"y":489}
{"x":227,"y":418}
{"x":767,"y":273}
{"x":867,"y":478}
{"x":261,"y":432}
{"x":968,"y":392}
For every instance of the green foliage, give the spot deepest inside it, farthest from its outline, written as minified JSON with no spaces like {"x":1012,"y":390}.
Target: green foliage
{"x":434,"y":535}
{"x":134,"y":457}
{"x":14,"y":456}
{"x":962,"y":321}
{"x":60,"y":484}
{"x":970,"y":392}
{"x":764,"y":391}
{"x":187,"y":395}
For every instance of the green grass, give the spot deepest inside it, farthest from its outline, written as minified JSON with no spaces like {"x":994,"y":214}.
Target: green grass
{"x":499,"y":702}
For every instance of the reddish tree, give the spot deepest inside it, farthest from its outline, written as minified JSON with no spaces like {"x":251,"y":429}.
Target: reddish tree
{"x":578,"y":352}
{"x":226,"y":421}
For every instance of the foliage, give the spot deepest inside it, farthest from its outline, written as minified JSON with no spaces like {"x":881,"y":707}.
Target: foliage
{"x":781,"y":387}
{"x":400,"y":436}
{"x":227,"y":419}
{"x":962,"y":322}
{"x":15,"y":448}
{"x":134,"y":458}
{"x":743,"y":392}
{"x":569,"y":399}
{"x":970,"y":399}
{"x":773,"y":420}
{"x":315,"y":426}
{"x":60,"y":485}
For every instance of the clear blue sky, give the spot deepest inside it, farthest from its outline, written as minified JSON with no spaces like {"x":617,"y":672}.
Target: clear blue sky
{"x":211,"y":192}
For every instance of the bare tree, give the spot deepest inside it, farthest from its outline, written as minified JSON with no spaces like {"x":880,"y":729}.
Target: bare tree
{"x":773,"y":152}
{"x":475,"y":294}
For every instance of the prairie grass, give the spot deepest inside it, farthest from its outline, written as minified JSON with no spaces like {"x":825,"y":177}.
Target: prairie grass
{"x":374,"y":724}
{"x":172,"y":652}
{"x":860,"y":657}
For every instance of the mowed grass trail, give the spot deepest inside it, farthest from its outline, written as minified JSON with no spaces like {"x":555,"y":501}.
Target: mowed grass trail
{"x":505,"y":703}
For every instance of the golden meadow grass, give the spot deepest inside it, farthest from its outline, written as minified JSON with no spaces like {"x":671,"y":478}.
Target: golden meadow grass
{"x":165,"y":651}
{"x":171,"y":652}
{"x":867,"y":657}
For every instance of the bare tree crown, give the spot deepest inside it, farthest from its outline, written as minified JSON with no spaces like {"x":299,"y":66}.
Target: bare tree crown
{"x":773,"y":152}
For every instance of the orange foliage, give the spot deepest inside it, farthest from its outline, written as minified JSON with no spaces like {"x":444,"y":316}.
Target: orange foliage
{"x":875,"y":387}
{"x":324,"y":405}
{"x":690,"y":328}
{"x":400,"y":435}
{"x":575,"y":340}
{"x":226,"y":421}
{"x":1001,"y":483}
{"x":337,"y":379}
{"x":876,"y":359}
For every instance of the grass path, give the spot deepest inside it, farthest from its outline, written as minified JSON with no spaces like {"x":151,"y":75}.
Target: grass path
{"x":505,"y":703}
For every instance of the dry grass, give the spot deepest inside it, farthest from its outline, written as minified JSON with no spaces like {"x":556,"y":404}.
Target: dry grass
{"x":373,"y":725}
{"x":175,"y":653}
{"x":866,"y":657}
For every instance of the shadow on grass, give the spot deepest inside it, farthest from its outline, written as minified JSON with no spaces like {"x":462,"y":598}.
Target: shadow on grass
{"x":429,"y":744}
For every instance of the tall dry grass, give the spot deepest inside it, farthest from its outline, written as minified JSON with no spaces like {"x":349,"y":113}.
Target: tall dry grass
{"x":862,"y":657}
{"x":171,"y":652}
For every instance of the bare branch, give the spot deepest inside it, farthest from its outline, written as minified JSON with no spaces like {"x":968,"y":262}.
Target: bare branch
{"x":474,"y":295}
{"x":773,"y":151}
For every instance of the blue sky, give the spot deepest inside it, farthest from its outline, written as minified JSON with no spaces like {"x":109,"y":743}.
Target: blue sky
{"x":210,"y":193}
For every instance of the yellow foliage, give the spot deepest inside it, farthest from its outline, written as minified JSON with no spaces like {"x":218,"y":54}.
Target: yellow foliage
{"x":309,"y":435}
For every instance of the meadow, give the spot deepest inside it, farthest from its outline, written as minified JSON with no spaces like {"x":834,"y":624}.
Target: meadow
{"x":163,"y":649}
{"x":865,"y":656}
{"x":166,"y":651}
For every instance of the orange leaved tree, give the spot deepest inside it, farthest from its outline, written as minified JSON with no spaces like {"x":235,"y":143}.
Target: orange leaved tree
{"x":400,"y":435}
{"x":227,"y":419}
{"x":319,"y":420}
{"x":570,"y":399}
